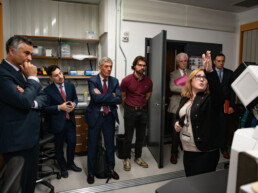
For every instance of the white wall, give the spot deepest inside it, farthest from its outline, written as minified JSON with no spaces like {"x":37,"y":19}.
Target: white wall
{"x":248,"y":16}
{"x":139,"y":31}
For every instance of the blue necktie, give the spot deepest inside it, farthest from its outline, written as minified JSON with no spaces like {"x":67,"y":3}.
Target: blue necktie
{"x":220,"y":75}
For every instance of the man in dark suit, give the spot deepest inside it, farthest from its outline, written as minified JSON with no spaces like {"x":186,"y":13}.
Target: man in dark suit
{"x":20,"y":100}
{"x":225,"y":76}
{"x":101,"y":114}
{"x":62,"y":100}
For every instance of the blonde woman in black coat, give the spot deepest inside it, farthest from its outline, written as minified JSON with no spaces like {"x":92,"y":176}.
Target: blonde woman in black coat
{"x":198,"y":119}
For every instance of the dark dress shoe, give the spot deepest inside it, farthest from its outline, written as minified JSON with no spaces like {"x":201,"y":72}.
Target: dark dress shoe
{"x":74,"y":168}
{"x":90,"y":179}
{"x":173,"y":159}
{"x":64,"y":173}
{"x":225,"y":154}
{"x":113,"y":175}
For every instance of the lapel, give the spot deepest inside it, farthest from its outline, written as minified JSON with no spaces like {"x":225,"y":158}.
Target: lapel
{"x":110,"y":85}
{"x":178,"y":75}
{"x":188,"y":72}
{"x":99,"y":83}
{"x":224,"y":77}
{"x":21,"y":79}
{"x":14,"y":73}
{"x":67,"y":90}
{"x":56,"y":92}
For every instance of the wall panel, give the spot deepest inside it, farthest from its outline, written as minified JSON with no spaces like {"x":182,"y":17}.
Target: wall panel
{"x":178,"y":14}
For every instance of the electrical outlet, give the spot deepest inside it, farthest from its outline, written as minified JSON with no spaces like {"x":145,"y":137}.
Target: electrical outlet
{"x":125,"y":39}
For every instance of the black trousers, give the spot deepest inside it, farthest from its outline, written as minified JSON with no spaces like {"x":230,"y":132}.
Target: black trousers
{"x":134,"y":119}
{"x":68,"y":135}
{"x":29,"y":171}
{"x":106,"y":124}
{"x":200,"y":162}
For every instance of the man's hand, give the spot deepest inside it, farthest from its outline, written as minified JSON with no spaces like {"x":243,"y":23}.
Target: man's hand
{"x":96,"y":91}
{"x":207,"y":63}
{"x":29,"y":69}
{"x":114,"y":94}
{"x":20,"y":89}
{"x":67,"y":106}
{"x":230,"y":110}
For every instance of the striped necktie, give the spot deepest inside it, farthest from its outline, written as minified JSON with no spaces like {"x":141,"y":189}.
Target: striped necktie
{"x":220,"y":75}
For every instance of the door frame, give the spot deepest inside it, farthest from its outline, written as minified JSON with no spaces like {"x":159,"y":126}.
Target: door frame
{"x":243,"y":28}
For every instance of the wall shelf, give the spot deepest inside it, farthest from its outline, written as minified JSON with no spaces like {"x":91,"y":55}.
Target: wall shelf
{"x":77,"y":47}
{"x":45,"y":57}
{"x":67,"y":77}
{"x":71,"y":58}
{"x":60,"y":39}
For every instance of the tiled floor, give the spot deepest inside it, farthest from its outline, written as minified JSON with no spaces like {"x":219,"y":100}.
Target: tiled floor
{"x":78,"y":180}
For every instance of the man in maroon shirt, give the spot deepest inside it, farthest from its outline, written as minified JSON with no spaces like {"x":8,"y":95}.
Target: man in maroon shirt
{"x":136,"y":90}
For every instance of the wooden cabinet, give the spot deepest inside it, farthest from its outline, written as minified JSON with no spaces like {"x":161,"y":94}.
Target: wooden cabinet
{"x":81,"y":134}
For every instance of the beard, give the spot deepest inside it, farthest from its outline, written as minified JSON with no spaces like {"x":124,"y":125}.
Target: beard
{"x":139,"y":72}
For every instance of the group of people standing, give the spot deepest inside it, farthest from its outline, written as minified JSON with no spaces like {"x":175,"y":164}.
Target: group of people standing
{"x":101,"y":114}
{"x":22,"y":99}
{"x":196,"y":109}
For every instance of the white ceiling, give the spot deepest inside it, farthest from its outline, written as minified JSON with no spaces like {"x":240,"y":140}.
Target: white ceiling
{"x":223,"y":5}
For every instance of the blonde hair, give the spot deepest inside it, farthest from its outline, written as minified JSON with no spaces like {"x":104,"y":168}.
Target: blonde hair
{"x":187,"y":91}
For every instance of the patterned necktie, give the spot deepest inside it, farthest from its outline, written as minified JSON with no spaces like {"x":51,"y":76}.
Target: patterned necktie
{"x":220,"y":75}
{"x":64,"y":97}
{"x":105,"y":108}
{"x":184,"y":72}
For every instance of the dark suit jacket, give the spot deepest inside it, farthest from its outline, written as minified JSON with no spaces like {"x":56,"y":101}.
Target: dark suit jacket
{"x":98,"y":100}
{"x":54,"y":99}
{"x":226,"y":86}
{"x":19,"y":123}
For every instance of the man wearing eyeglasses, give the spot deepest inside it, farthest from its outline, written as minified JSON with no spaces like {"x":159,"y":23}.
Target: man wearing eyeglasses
{"x":181,"y":62}
{"x":136,"y":90}
{"x":225,"y":76}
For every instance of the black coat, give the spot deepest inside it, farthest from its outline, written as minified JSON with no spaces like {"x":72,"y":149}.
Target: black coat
{"x":205,"y":114}
{"x":226,"y":86}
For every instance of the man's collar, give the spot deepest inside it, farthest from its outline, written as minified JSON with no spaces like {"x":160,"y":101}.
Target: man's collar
{"x":58,"y":85}
{"x":181,"y":70}
{"x":15,"y":67}
{"x":101,"y":78}
{"x":218,"y":70}
{"x":137,"y":77}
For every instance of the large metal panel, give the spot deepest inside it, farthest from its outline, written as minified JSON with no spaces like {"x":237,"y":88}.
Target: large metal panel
{"x":157,"y":72}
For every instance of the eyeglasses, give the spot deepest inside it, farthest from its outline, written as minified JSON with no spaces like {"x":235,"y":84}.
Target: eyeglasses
{"x":141,"y":65}
{"x":199,"y":77}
